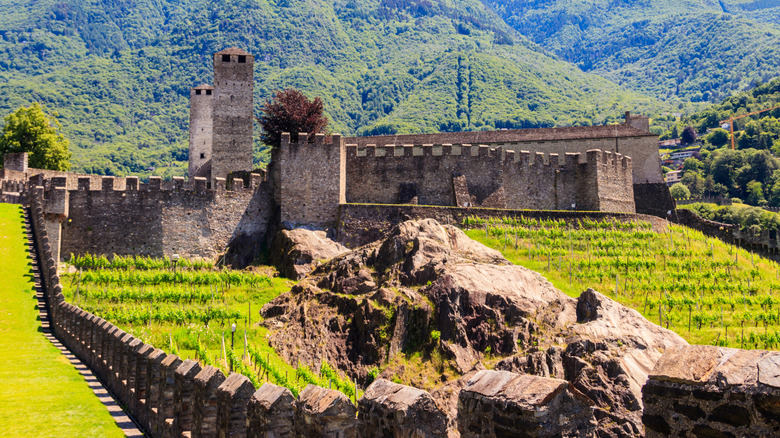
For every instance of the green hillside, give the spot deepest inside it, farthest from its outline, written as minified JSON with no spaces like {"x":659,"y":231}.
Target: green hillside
{"x":750,"y":173}
{"x":120,"y":83}
{"x":675,"y":50}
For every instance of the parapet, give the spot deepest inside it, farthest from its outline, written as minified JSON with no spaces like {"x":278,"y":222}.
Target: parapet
{"x":109,"y":184}
{"x":522,"y":405}
{"x":498,"y":155}
{"x":713,"y":391}
{"x":302,"y":141}
{"x":15,"y":161}
{"x":608,"y":158}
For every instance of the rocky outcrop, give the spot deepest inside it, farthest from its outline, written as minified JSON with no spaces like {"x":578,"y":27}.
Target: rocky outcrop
{"x":429,"y":289}
{"x":296,"y":252}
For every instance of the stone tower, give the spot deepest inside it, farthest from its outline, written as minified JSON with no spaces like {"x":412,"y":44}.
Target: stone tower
{"x":638,"y":121}
{"x":232,"y":112}
{"x":201,"y":107}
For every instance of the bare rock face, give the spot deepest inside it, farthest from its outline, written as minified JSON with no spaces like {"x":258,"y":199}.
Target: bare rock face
{"x":430,"y":289}
{"x":296,"y":252}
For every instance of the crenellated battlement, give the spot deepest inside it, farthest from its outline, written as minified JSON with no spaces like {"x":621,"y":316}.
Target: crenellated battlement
{"x":496,"y":155}
{"x":302,"y":140}
{"x":111,"y":184}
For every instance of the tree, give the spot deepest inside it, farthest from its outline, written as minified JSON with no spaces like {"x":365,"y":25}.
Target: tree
{"x":718,"y":137}
{"x":755,"y":191}
{"x":691,"y":165}
{"x":679,"y":191}
{"x":688,"y":135}
{"x":291,"y":111}
{"x":39,"y":134}
{"x":695,"y":183}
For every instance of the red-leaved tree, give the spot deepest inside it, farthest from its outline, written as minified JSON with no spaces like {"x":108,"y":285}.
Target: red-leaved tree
{"x":291,"y":111}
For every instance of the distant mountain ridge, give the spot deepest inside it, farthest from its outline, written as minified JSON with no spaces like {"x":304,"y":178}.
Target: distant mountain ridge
{"x":685,"y":50}
{"x":121,"y":83}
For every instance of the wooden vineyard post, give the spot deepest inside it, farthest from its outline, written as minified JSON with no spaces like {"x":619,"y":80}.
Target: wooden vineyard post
{"x":224,"y":354}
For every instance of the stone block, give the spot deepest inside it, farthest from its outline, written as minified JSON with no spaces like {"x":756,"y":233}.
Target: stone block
{"x":178,"y":183}
{"x":200,"y":184}
{"x":141,"y":382}
{"x":205,"y":413}
{"x":325,"y":413}
{"x":183,"y":397}
{"x":155,"y":183}
{"x":713,"y":391}
{"x":390,"y":409}
{"x":165,"y":397}
{"x":233,"y":398}
{"x":154,"y":372}
{"x":500,"y":403}
{"x":271,"y":413}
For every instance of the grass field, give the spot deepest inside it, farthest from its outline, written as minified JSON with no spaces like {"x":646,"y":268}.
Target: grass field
{"x":41,"y":394}
{"x":703,"y":289}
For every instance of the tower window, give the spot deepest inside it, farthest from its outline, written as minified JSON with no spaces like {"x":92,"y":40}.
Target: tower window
{"x":202,"y":156}
{"x":225,"y":58}
{"x":197,"y":92}
{"x":242,"y":59}
{"x":208,"y":92}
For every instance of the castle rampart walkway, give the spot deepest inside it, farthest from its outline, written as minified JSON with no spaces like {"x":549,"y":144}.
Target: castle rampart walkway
{"x":42,"y":389}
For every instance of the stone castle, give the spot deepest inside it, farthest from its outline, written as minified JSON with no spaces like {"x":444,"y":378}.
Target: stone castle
{"x":355,"y":188}
{"x":327,"y":183}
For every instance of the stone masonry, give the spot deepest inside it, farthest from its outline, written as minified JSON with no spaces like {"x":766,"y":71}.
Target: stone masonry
{"x":201,"y":131}
{"x":478,"y":176}
{"x":707,"y":391}
{"x":233,"y":112}
{"x":501,"y":404}
{"x":693,"y":390}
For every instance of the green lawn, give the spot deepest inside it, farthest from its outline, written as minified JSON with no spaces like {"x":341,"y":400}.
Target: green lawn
{"x":41,"y":394}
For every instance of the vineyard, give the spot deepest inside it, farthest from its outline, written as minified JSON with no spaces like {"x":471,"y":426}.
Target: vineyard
{"x":189,"y":308}
{"x":705,"y":290}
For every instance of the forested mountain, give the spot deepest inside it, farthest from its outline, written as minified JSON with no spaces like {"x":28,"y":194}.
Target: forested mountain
{"x":680,"y":50}
{"x":119,"y":73}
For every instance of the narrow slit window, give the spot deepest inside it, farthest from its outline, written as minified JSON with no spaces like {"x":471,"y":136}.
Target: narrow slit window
{"x":202,"y":156}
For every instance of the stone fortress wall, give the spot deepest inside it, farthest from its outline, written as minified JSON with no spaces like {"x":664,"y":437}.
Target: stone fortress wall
{"x":92,"y":214}
{"x":631,"y":139}
{"x":306,"y":183}
{"x":314,"y":179}
{"x":478,"y":176}
{"x":707,"y":391}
